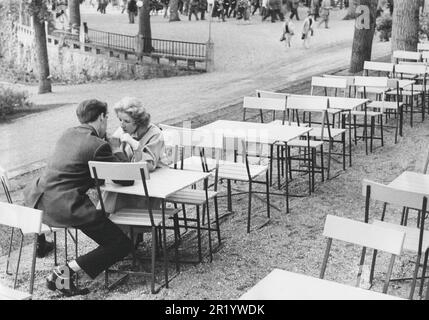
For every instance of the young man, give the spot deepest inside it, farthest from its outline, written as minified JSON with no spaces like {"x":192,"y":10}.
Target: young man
{"x":325,"y":8}
{"x":61,"y":193}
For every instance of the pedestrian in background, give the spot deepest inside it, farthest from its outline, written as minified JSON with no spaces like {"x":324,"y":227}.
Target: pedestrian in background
{"x":294,"y":5}
{"x":288,"y":32}
{"x":324,"y":12}
{"x":203,"y":8}
{"x":307,"y":30}
{"x":315,"y":7}
{"x":132,"y":10}
{"x":193,"y":9}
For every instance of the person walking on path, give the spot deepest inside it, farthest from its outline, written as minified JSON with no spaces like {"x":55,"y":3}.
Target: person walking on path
{"x":132,"y":10}
{"x":203,"y":8}
{"x":294,"y":5}
{"x":193,"y":9}
{"x":324,"y":12}
{"x":307,"y":30}
{"x":288,"y":32}
{"x":315,"y":7}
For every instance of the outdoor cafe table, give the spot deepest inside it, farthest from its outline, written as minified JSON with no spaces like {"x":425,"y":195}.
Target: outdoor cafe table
{"x":161,"y":184}
{"x":412,"y":182}
{"x":285,"y":285}
{"x":264,"y":133}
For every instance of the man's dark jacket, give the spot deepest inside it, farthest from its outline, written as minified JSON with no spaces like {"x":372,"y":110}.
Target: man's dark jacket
{"x":61,"y":190}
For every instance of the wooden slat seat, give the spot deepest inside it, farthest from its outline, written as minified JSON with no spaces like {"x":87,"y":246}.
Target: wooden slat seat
{"x":368,"y":113}
{"x":140,"y":217}
{"x":194,"y":164}
{"x":286,"y":123}
{"x":304,"y":143}
{"x":412,"y":234}
{"x":385,"y":105}
{"x":237,"y":171}
{"x":405,"y":92}
{"x":7,"y":293}
{"x":317,"y":133}
{"x":191,"y":196}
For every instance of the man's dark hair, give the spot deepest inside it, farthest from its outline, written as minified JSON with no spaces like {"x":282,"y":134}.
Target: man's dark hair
{"x":89,"y":110}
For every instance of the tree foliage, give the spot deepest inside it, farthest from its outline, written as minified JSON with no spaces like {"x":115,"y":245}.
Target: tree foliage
{"x":37,"y":8}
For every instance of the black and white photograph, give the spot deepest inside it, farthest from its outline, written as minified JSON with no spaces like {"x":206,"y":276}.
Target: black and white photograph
{"x":210,"y":156}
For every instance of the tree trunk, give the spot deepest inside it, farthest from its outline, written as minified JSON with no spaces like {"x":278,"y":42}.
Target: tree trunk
{"x":351,"y":12}
{"x":405,"y":25}
{"x":42,"y":55}
{"x":145,"y":32}
{"x":363,"y":37}
{"x":174,"y":10}
{"x":74,"y":14}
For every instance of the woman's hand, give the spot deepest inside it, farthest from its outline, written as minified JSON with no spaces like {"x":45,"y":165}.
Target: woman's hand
{"x":128,"y":139}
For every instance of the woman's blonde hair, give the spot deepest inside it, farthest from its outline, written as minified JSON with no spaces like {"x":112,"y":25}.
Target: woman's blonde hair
{"x":134,"y":108}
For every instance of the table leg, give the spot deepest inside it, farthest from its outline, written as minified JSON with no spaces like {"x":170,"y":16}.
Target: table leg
{"x":164,"y":247}
{"x":286,"y":179}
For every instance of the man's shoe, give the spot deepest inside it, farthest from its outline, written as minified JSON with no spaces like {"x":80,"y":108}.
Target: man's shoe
{"x":62,"y":279}
{"x":43,"y":248}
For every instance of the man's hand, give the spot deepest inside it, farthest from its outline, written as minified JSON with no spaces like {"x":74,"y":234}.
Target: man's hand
{"x":115,"y":143}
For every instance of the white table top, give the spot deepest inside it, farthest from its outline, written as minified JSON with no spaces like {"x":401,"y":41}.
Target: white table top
{"x":163,"y":182}
{"x":412,"y":182}
{"x":344,"y":103}
{"x":256,"y":132}
{"x":284,"y":285}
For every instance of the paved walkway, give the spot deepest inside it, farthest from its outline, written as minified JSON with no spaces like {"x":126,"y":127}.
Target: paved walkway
{"x":248,"y":57}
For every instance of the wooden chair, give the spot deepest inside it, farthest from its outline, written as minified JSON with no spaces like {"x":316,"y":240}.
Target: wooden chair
{"x":416,"y":238}
{"x":331,"y":87}
{"x":282,"y":96}
{"x":365,"y":235}
{"x":350,"y":82}
{"x":425,"y":56}
{"x":380,"y":68}
{"x":45,"y":228}
{"x":418,"y":73}
{"x":388,"y":107}
{"x":275,"y":102}
{"x":321,"y":133}
{"x":423,"y":47}
{"x":28,"y":222}
{"x":180,"y":139}
{"x":400,"y":55}
{"x":150,"y":220}
{"x":243,"y":172}
{"x":366,"y":86}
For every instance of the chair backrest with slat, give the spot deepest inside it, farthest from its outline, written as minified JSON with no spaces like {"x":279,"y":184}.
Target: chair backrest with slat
{"x":423,"y":46}
{"x":329,"y":83}
{"x":29,"y":222}
{"x":401,"y":198}
{"x":183,"y":139}
{"x":379,"y":67}
{"x":410,"y":69}
{"x":350,"y":81}
{"x":128,"y":171}
{"x":373,"y":82}
{"x":308,"y":103}
{"x":406,"y":55}
{"x":425,"y":56}
{"x":27,"y":219}
{"x":365,"y":235}
{"x":264,"y":104}
{"x":271,"y":94}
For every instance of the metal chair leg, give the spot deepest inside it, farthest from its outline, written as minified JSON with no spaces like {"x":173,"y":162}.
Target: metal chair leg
{"x":249,"y":207}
